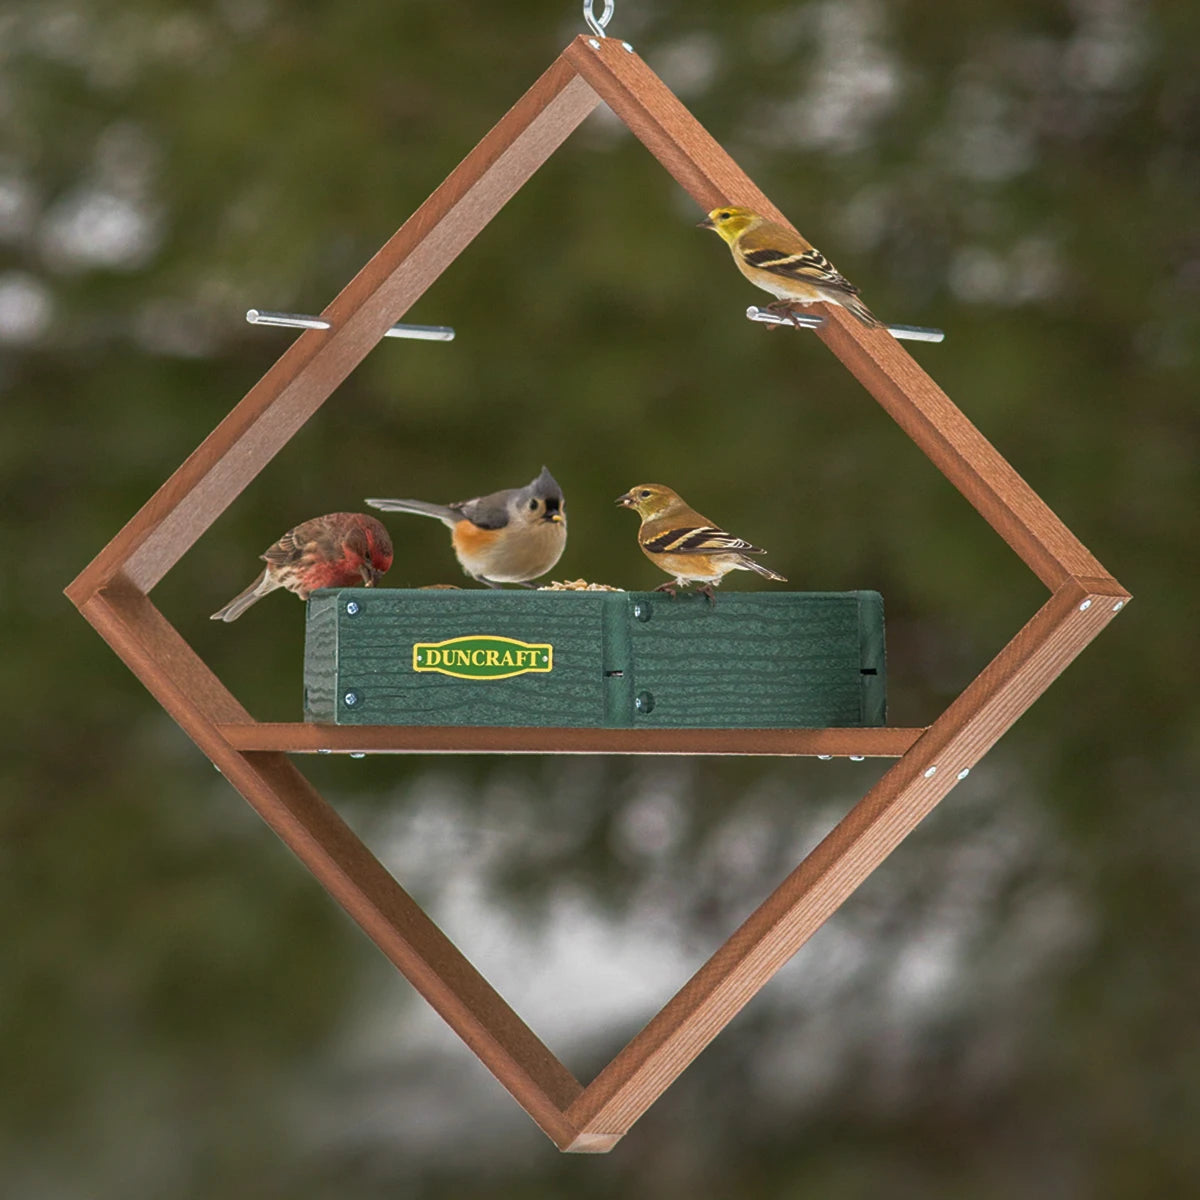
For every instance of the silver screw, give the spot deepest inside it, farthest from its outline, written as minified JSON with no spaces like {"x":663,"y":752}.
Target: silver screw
{"x":352,"y":607}
{"x":324,"y":751}
{"x":1120,"y":604}
{"x":824,"y":757}
{"x":931,"y":772}
{"x":627,"y":47}
{"x":857,"y":757}
{"x":1085,"y":606}
{"x":358,"y":754}
{"x":964,"y":772}
{"x":595,"y":45}
{"x":351,"y":699}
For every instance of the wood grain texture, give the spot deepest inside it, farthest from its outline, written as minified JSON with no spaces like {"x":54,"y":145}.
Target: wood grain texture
{"x":876,"y":359}
{"x":302,"y":738}
{"x":318,"y":361}
{"x":337,"y":858}
{"x":860,"y":842}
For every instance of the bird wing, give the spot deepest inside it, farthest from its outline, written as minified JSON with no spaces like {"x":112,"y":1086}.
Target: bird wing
{"x":698,"y":539}
{"x":294,"y":544}
{"x":488,"y":512}
{"x":804,"y":266}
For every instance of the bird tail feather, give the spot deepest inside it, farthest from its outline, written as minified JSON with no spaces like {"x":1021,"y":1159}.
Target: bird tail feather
{"x":765,"y":572}
{"x":861,"y":311}
{"x":242,"y":601}
{"x":446,"y":515}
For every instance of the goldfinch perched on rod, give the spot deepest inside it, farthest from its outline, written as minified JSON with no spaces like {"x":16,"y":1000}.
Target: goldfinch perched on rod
{"x":685,"y":544}
{"x":781,"y":262}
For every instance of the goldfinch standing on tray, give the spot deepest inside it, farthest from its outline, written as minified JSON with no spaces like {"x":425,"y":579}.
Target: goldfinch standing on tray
{"x":510,"y":536}
{"x":685,"y":544}
{"x":781,"y":262}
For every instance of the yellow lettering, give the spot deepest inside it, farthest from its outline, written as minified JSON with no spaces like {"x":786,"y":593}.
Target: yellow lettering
{"x":493,"y":657}
{"x":507,"y":659}
{"x":433,"y":658}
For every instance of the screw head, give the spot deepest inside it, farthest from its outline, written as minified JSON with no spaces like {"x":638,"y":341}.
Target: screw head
{"x":644,"y":702}
{"x":824,"y":757}
{"x":964,"y":772}
{"x":627,"y":46}
{"x":930,"y":772}
{"x":350,"y":699}
{"x":641,"y":610}
{"x":595,"y":45}
{"x":358,"y":754}
{"x":1120,"y":604}
{"x":352,"y":607}
{"x":858,"y":757}
{"x":1085,"y":606}
{"x":325,"y":751}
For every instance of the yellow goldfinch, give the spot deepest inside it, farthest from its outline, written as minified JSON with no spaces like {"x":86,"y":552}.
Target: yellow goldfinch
{"x":685,"y":544}
{"x":781,"y":262}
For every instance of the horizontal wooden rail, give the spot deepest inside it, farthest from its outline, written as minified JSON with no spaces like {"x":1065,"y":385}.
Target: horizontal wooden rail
{"x":302,"y":738}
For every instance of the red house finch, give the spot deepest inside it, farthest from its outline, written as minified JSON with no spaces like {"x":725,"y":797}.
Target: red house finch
{"x":508,"y":537}
{"x":681,"y":542}
{"x":337,"y":550}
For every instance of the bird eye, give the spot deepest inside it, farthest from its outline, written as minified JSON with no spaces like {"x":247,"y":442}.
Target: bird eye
{"x":533,"y":506}
{"x":644,"y":495}
{"x":724,"y":216}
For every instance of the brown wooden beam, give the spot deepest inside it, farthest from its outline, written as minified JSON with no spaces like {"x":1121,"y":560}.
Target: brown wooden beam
{"x":338,"y":859}
{"x":318,"y":361}
{"x":821,"y":883}
{"x":707,"y":173}
{"x":302,"y":738}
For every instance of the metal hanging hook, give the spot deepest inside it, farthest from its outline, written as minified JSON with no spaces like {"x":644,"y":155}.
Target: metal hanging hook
{"x":597,"y":24}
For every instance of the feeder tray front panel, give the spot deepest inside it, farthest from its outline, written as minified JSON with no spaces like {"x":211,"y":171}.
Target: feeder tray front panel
{"x":788,"y":660}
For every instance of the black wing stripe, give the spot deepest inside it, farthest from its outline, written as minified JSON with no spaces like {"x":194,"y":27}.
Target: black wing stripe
{"x":769,"y":257}
{"x":706,"y":539}
{"x":810,"y":267}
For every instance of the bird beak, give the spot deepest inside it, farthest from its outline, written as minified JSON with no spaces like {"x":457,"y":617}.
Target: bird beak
{"x":705,"y":224}
{"x":556,"y":517}
{"x":370,"y":575}
{"x":625,"y":501}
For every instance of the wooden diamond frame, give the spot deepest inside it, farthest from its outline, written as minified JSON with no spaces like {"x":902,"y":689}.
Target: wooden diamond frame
{"x":112,"y":593}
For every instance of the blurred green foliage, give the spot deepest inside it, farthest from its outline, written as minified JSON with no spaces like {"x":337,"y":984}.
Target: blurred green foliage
{"x":178,"y":1001}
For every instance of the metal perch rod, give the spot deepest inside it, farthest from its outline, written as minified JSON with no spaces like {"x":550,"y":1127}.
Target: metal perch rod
{"x":426,"y":333}
{"x":909,"y":333}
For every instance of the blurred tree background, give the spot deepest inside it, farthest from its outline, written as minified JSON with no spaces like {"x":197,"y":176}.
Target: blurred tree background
{"x":1009,"y":1006}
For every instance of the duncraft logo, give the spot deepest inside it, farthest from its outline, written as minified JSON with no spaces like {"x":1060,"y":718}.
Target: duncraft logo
{"x":483,"y":657}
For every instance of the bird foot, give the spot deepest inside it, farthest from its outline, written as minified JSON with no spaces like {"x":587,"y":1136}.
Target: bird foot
{"x":707,"y":590}
{"x":669,"y":588}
